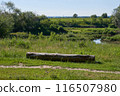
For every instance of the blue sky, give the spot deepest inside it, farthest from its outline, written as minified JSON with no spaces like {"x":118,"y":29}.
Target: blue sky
{"x":67,"y":7}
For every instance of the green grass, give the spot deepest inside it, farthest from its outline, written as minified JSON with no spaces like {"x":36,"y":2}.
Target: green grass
{"x":113,"y":38}
{"x":73,"y":19}
{"x":51,"y":74}
{"x":77,"y":41}
{"x":107,"y":54}
{"x":78,"y":22}
{"x":94,"y":33}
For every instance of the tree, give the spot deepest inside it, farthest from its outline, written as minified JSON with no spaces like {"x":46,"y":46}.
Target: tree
{"x":100,"y":22}
{"x":93,"y":21}
{"x":13,"y":20}
{"x":94,"y":16}
{"x":75,"y":15}
{"x":116,"y":17}
{"x":27,"y":22}
{"x":104,"y":15}
{"x":10,"y":6}
{"x":6,"y":19}
{"x":6,"y":24}
{"x":43,"y":17}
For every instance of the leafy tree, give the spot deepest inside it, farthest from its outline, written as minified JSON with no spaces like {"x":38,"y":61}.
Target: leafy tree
{"x":13,"y":20}
{"x":93,"y":21}
{"x":43,"y":17}
{"x":6,"y":19}
{"x":6,"y":24}
{"x":53,"y":27}
{"x":75,"y":15}
{"x":61,"y":29}
{"x":116,"y":17}
{"x":94,"y":16}
{"x":26,"y":22}
{"x":10,"y":6}
{"x":104,"y":15}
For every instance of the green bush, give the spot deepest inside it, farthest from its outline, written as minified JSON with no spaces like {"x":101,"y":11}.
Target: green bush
{"x":20,"y":43}
{"x":19,"y":35}
{"x":52,"y":36}
{"x":40,"y":35}
{"x":82,"y":44}
{"x":31,"y":36}
{"x":12,"y":42}
{"x":23,"y":44}
{"x":109,"y":31}
{"x":115,"y":38}
{"x":112,"y":26}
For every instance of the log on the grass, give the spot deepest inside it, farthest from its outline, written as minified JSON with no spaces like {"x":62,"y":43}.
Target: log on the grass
{"x":61,"y":57}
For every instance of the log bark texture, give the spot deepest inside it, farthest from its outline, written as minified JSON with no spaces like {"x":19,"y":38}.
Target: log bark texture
{"x":61,"y":57}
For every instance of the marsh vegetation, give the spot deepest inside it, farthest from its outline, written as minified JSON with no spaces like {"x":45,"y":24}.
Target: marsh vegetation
{"x":22,"y":32}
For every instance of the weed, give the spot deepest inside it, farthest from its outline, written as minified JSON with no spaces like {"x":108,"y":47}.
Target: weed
{"x":23,"y":44}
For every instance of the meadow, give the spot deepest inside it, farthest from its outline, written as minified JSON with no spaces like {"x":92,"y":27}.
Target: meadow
{"x":77,"y":40}
{"x":13,"y":52}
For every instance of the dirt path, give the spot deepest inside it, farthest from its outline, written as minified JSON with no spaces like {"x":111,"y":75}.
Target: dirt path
{"x":58,"y":67}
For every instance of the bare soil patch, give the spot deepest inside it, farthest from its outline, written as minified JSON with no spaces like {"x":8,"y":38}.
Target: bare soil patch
{"x":58,"y":67}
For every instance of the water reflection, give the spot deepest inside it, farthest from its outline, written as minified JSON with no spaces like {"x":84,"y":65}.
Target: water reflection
{"x":97,"y":41}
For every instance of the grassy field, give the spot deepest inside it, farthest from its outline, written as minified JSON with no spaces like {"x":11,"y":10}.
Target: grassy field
{"x":94,"y":33}
{"x":76,"y":41}
{"x":51,"y":74}
{"x":73,"y":19}
{"x":13,"y":51}
{"x":77,"y":22}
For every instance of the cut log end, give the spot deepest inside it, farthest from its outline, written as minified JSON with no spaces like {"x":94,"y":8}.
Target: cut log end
{"x":61,"y":57}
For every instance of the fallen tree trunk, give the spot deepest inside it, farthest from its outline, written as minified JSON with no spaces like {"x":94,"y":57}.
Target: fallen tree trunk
{"x":61,"y":57}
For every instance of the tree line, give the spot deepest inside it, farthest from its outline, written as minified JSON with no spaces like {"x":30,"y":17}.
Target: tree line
{"x":104,"y":15}
{"x":13,"y":19}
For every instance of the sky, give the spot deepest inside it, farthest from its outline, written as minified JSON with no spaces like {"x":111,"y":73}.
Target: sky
{"x":67,"y":7}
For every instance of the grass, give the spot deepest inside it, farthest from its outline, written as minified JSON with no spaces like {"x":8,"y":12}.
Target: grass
{"x":93,"y":33}
{"x":113,"y":38}
{"x":76,"y":41}
{"x":51,"y":74}
{"x":80,"y":22}
{"x":106,"y":54}
{"x":73,"y":19}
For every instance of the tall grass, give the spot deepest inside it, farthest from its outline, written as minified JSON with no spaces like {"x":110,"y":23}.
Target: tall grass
{"x":15,"y":49}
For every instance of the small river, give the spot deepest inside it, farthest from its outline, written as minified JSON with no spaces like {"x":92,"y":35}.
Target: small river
{"x":97,"y":41}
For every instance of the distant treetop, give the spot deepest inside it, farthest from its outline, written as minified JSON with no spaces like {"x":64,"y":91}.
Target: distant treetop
{"x":104,"y":15}
{"x":94,"y":16}
{"x":75,"y":15}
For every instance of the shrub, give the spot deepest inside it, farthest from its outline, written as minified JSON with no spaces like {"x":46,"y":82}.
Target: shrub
{"x":61,"y":29}
{"x":52,"y":36}
{"x":112,"y":26}
{"x":115,"y":38}
{"x":12,"y":42}
{"x":40,"y":35}
{"x":53,"y":27}
{"x":31,"y":36}
{"x":19,"y":35}
{"x":19,"y":43}
{"x":82,"y":44}
{"x":109,"y":31}
{"x":23,"y":44}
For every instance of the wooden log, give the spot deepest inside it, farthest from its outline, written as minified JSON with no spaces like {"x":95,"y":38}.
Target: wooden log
{"x":61,"y":57}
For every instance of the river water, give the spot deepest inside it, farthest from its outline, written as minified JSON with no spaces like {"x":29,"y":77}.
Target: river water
{"x":97,"y":41}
